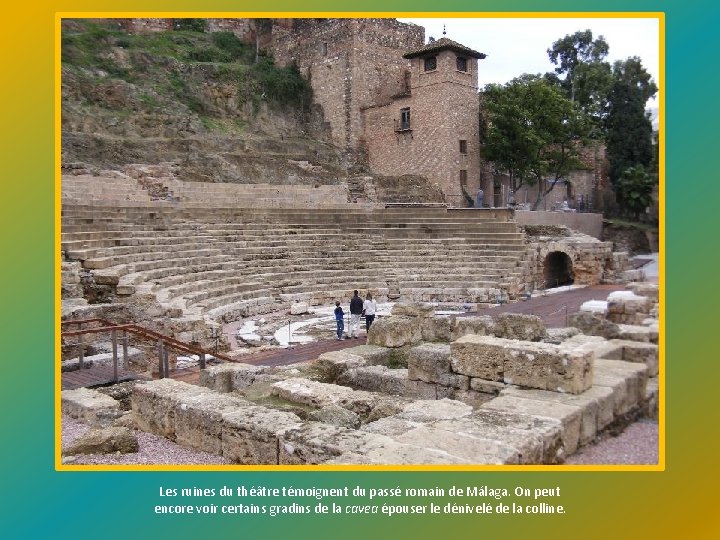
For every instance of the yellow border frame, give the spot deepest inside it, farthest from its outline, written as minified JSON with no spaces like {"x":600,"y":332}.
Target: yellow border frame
{"x":660,"y":466}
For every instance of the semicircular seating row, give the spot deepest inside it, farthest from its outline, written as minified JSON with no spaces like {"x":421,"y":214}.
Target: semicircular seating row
{"x":227,"y":263}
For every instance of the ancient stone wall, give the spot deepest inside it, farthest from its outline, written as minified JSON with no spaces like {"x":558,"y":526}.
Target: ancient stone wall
{"x":586,"y":223}
{"x":351,"y":64}
{"x":630,"y":239}
{"x":144,"y":26}
{"x":589,"y":258}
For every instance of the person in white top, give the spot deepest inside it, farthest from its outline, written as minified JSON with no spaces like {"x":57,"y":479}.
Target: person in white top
{"x":369,"y":309}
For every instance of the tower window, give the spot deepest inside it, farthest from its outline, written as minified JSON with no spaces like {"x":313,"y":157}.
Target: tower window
{"x":463,"y":147}
{"x":430,"y":63}
{"x":461,"y":63}
{"x":404,"y":119}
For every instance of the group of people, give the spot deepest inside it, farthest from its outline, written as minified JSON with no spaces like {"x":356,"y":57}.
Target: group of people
{"x":358,"y":308}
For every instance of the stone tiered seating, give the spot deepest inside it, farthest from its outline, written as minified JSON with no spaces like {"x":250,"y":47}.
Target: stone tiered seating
{"x":224,"y":262}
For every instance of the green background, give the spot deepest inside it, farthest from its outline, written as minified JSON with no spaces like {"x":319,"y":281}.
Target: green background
{"x":40,"y":502}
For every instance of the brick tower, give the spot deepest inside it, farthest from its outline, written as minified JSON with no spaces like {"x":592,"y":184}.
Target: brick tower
{"x":431,"y":129}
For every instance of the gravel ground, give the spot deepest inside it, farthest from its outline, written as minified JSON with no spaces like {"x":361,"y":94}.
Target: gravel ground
{"x":154,"y":450}
{"x":638,"y":444}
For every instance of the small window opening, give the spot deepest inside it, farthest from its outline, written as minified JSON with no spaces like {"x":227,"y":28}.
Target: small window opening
{"x":404,"y":119}
{"x":461,"y":63}
{"x":463,"y":147}
{"x":431,"y":63}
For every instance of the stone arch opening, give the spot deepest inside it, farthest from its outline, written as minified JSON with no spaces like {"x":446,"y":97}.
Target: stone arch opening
{"x":558,"y":270}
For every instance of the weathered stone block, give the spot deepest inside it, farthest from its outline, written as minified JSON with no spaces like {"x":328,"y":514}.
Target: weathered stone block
{"x":537,"y":440}
{"x":104,"y":441}
{"x":427,"y":411}
{"x":373,"y":354}
{"x":332,"y":364}
{"x":337,"y":416}
{"x":299,"y":308}
{"x":395,"y":453}
{"x":533,"y":365}
{"x":395,"y":331}
{"x":596,"y":406}
{"x":626,"y":380}
{"x":482,"y":325}
{"x":470,"y":397}
{"x":422,"y":390}
{"x":314,"y":443}
{"x":638,"y":332}
{"x":519,"y":326}
{"x":154,"y":404}
{"x":568,"y":415}
{"x":478,"y":356}
{"x":594,"y":324}
{"x":319,"y":395}
{"x":413,"y":309}
{"x":90,"y":406}
{"x":430,"y":362}
{"x":198,"y":420}
{"x":461,"y":445}
{"x":485,"y":386}
{"x":558,"y":335}
{"x":639,"y":352}
{"x":437,"y":329}
{"x":376,"y":379}
{"x":218,"y":378}
{"x":647,"y":289}
{"x":624,"y":305}
{"x":251,"y":435}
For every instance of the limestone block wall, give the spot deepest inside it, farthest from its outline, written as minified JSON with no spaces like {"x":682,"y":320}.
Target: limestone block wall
{"x":351,"y":64}
{"x":590,"y":258}
{"x":586,"y":223}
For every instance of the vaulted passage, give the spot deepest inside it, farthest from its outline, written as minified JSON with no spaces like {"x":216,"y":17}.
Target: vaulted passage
{"x":558,"y":270}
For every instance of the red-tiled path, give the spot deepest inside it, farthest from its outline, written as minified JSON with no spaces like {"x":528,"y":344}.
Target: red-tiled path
{"x":552,"y":308}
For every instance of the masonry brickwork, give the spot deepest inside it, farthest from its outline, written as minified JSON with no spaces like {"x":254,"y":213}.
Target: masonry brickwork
{"x":420,"y":132}
{"x":352,"y":64}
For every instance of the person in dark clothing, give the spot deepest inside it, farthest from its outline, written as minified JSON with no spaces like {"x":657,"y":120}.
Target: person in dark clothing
{"x":339,"y":319}
{"x":356,"y":309}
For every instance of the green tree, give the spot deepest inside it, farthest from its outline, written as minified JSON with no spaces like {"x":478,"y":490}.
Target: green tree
{"x":587,"y":76}
{"x":629,"y":130}
{"x":634,"y":190}
{"x":573,"y":51}
{"x":533,"y":133}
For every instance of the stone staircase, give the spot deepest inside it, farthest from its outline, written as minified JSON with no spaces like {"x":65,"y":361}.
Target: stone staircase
{"x":219,"y":259}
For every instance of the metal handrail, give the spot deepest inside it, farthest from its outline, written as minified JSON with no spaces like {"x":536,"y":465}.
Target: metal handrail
{"x":163,"y":342}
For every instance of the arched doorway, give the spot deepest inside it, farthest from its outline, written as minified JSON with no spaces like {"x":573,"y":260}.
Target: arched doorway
{"x":558,"y":270}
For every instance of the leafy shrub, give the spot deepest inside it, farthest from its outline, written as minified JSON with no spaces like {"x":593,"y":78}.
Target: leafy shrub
{"x":231,"y":44}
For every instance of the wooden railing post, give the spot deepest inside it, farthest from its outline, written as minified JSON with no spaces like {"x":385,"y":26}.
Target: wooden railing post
{"x":126,"y":360}
{"x":81,"y":352}
{"x":113,"y":333}
{"x":161,"y":364}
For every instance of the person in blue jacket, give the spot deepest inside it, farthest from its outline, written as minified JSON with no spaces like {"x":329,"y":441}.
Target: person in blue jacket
{"x":339,"y":319}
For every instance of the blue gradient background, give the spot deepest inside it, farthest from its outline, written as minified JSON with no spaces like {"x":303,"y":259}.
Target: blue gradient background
{"x":39,"y":502}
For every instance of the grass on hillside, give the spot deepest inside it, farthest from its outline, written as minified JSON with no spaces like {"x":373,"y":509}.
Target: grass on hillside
{"x":163,"y":65}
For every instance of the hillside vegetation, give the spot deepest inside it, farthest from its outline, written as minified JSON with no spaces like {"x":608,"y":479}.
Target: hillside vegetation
{"x":194,"y":98}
